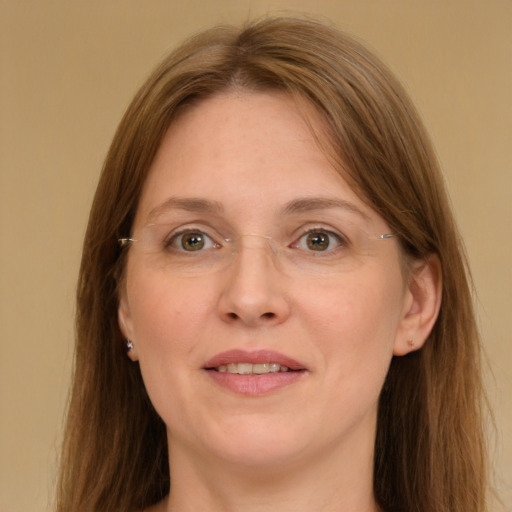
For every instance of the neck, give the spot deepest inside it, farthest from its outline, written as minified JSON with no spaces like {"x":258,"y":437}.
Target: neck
{"x":334,"y":481}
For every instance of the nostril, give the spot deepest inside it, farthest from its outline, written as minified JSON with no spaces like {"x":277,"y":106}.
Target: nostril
{"x":264,"y":316}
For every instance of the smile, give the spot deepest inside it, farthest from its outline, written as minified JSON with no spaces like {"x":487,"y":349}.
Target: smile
{"x":254,"y":373}
{"x":257,"y":362}
{"x":251,"y":369}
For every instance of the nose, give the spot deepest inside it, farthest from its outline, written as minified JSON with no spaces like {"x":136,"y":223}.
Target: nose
{"x":253,"y":289}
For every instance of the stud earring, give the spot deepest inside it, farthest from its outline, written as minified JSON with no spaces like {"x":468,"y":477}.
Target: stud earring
{"x":129,"y":345}
{"x":410,"y":343}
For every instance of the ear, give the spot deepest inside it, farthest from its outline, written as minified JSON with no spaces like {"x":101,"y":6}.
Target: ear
{"x":126,"y":325}
{"x":421,"y":305}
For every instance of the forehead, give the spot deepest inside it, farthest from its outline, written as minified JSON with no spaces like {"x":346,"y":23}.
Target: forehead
{"x":249,"y":152}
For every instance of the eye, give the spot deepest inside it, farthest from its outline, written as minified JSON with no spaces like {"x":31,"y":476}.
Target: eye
{"x":191,"y":241}
{"x":319,"y":240}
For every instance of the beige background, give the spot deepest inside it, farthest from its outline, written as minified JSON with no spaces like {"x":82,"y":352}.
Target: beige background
{"x":68,"y":69}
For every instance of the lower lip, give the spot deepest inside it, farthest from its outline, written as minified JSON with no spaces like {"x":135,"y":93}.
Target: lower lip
{"x":255,"y":385}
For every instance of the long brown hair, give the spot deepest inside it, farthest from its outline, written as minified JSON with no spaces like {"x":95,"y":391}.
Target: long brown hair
{"x":429,"y":451}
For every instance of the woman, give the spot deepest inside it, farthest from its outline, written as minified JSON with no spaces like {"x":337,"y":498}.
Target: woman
{"x":274,"y":310}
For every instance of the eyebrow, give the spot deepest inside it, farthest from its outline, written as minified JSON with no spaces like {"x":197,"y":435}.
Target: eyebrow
{"x":312,"y":204}
{"x":300,"y":205}
{"x":189,"y":204}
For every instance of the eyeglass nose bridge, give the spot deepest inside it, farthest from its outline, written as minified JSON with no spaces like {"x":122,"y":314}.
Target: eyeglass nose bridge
{"x":236,"y":245}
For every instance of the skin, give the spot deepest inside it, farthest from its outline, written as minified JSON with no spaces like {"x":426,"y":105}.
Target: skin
{"x":308,"y":445}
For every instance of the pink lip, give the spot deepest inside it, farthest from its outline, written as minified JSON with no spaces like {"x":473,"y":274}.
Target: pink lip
{"x":259,"y":356}
{"x":254,"y":385}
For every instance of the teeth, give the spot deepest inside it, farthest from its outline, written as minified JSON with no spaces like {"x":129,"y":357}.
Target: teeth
{"x":252,"y":369}
{"x":259,"y":369}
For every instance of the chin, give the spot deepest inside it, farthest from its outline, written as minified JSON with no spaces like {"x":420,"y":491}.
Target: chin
{"x":258,"y":443}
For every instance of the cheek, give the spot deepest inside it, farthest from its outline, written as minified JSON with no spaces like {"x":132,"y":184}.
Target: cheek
{"x":169,"y":319}
{"x":167,"y":315}
{"x":355,"y":323}
{"x":362,"y":309}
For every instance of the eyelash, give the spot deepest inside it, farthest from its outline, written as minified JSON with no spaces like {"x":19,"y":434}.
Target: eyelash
{"x":340,"y":240}
{"x":173,"y":239}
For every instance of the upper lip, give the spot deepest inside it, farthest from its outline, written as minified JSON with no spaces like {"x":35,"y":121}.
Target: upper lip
{"x":254,"y":357}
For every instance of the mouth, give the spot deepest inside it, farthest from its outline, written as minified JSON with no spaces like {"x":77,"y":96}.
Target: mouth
{"x":254,"y":373}
{"x":259,"y":362}
{"x":252,"y":369}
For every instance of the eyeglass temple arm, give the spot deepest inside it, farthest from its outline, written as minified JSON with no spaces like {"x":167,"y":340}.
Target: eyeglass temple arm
{"x":123,"y":242}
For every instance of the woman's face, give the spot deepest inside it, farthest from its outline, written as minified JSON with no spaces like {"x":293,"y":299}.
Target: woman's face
{"x":252,"y":255}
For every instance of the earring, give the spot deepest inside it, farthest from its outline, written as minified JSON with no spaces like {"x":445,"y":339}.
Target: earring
{"x":128,"y":345}
{"x":410,"y":343}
